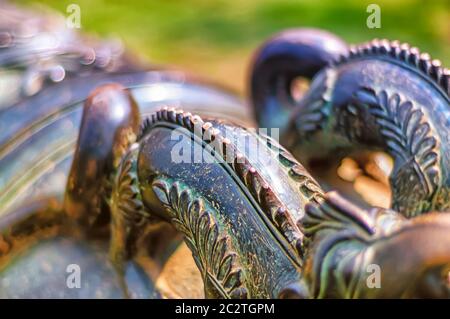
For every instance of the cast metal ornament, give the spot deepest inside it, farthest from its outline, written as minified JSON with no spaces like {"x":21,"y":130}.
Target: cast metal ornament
{"x":88,"y":176}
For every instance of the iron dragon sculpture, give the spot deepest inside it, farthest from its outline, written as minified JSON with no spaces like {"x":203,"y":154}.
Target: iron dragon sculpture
{"x":88,"y":175}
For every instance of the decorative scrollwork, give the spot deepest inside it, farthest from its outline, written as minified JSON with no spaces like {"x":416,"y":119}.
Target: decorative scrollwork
{"x":404,"y":53}
{"x":342,"y":223}
{"x":261,"y":191}
{"x":410,"y":139}
{"x":257,"y":225}
{"x":314,"y":110}
{"x":126,"y":195}
{"x":212,"y":251}
{"x":307,"y":185}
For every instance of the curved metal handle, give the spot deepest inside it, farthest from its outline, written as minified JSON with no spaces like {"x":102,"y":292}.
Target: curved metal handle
{"x":288,"y":55}
{"x":253,"y":213}
{"x":237,"y":204}
{"x":381,"y":95}
{"x":241,"y":202}
{"x":239,"y":198}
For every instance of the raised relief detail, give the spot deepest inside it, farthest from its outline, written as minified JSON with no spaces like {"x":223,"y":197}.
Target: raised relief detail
{"x":192,"y":216}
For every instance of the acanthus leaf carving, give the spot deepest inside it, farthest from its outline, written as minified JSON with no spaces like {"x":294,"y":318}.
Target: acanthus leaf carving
{"x":212,"y":249}
{"x":409,"y":138}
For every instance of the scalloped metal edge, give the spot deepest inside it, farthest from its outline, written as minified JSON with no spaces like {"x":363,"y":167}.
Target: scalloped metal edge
{"x":275,"y":210}
{"x":403,"y":52}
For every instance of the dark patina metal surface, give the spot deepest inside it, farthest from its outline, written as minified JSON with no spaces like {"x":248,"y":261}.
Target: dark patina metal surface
{"x":88,"y":174}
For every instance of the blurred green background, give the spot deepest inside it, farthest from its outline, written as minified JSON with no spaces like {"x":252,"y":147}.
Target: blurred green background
{"x":216,"y":38}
